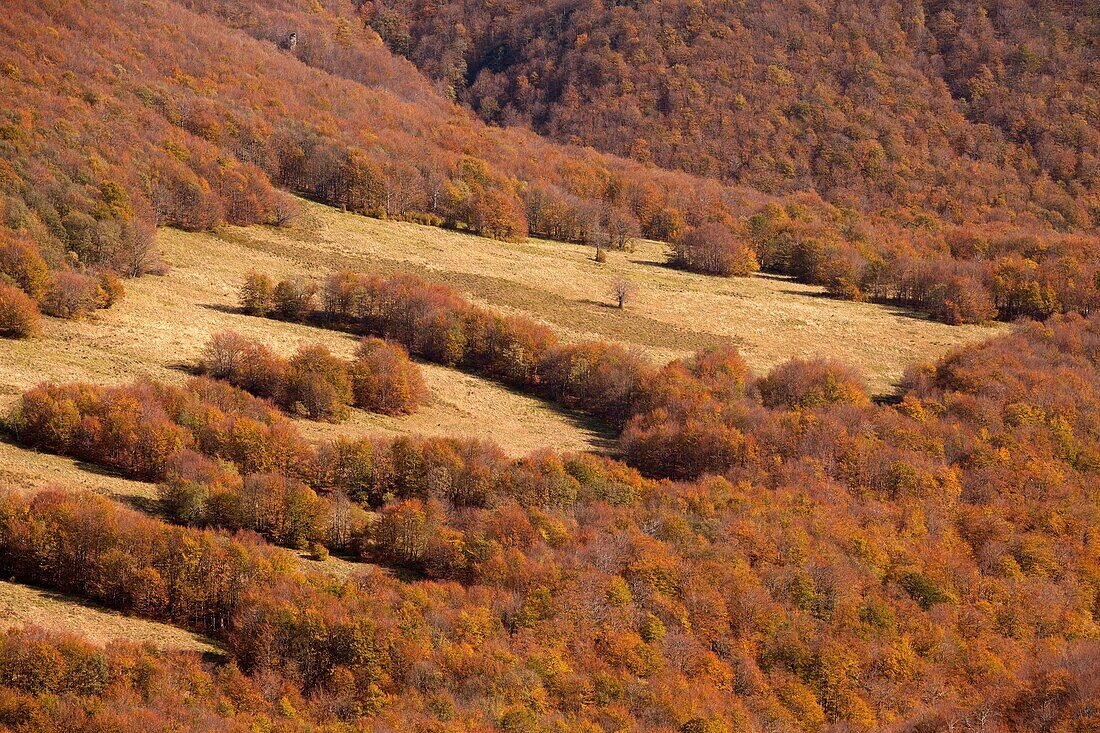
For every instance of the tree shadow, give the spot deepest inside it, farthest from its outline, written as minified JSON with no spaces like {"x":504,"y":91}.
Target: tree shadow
{"x":8,"y":436}
{"x":600,"y":303}
{"x":891,"y":308}
{"x":232,"y":310}
{"x":188,"y":368}
{"x":903,"y":312}
{"x":774,"y":276}
{"x":598,"y":433}
{"x":819,"y":295}
{"x":95,"y":468}
{"x":653,"y":263}
{"x":215,"y":654}
{"x":888,"y":399}
{"x":148,"y":505}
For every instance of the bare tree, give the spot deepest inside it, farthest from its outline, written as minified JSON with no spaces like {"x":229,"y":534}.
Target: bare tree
{"x":285,"y":209}
{"x":623,"y":290}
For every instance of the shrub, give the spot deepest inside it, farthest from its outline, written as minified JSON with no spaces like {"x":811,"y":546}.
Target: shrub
{"x":257,"y":295}
{"x":811,"y":383}
{"x":384,"y":379}
{"x":223,"y":355}
{"x":194,"y":485}
{"x":293,"y":299}
{"x":601,"y":379}
{"x":111,"y":289}
{"x":316,"y":384}
{"x":964,"y":300}
{"x":403,"y":530}
{"x":714,"y":249}
{"x":722,"y":370}
{"x":660,"y":444}
{"x":244,"y":363}
{"x":123,"y":427}
{"x":285,"y":209}
{"x":19,"y":316}
{"x":923,"y":590}
{"x":71,"y":295}
{"x":21,"y":262}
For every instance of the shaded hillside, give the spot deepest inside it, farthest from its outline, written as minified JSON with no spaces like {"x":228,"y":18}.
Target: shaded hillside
{"x":969,"y":110}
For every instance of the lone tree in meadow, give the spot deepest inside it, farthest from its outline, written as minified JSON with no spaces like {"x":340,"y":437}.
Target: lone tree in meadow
{"x":623,"y":290}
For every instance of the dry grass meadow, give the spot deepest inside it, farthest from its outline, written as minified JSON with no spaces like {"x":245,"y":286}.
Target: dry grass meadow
{"x":22,"y":606}
{"x":674,"y":313}
{"x":159,"y":329}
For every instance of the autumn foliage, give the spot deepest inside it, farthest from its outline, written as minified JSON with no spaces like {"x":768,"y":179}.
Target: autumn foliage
{"x":101,"y":149}
{"x":715,"y":250}
{"x":127,"y":129}
{"x":814,"y":383}
{"x":955,"y":111}
{"x":19,"y":316}
{"x":808,"y":579}
{"x":383,"y":379}
{"x":315,"y":383}
{"x":766,"y":552}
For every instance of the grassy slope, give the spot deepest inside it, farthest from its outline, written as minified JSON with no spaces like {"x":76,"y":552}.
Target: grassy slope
{"x":158,"y":330}
{"x":160,"y":327}
{"x":21,"y":606}
{"x":770,"y":319}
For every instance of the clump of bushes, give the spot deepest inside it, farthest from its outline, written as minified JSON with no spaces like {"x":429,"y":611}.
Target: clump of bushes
{"x":19,"y":316}
{"x":434,"y":322}
{"x":383,"y":376}
{"x":806,"y":384}
{"x":257,"y":295}
{"x":314,"y":382}
{"x":293,"y":299}
{"x":58,"y":292}
{"x":713,"y":249}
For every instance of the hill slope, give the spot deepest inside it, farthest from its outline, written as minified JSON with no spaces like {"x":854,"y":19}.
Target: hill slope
{"x":122,"y":115}
{"x":158,"y":332}
{"x":963,"y":109}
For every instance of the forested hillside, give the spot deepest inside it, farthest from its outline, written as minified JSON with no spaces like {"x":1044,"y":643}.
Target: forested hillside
{"x":944,"y":160}
{"x":122,"y":116}
{"x":297,"y":390}
{"x":968,"y":110}
{"x":841,"y":566}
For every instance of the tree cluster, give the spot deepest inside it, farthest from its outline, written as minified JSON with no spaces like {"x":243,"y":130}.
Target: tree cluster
{"x":956,"y":275}
{"x":314,"y":382}
{"x":29,"y":287}
{"x":713,"y":249}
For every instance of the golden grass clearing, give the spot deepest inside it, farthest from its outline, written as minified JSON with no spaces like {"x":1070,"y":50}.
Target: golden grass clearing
{"x":22,"y":605}
{"x":160,"y":327}
{"x":770,"y":319}
{"x":31,"y":471}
